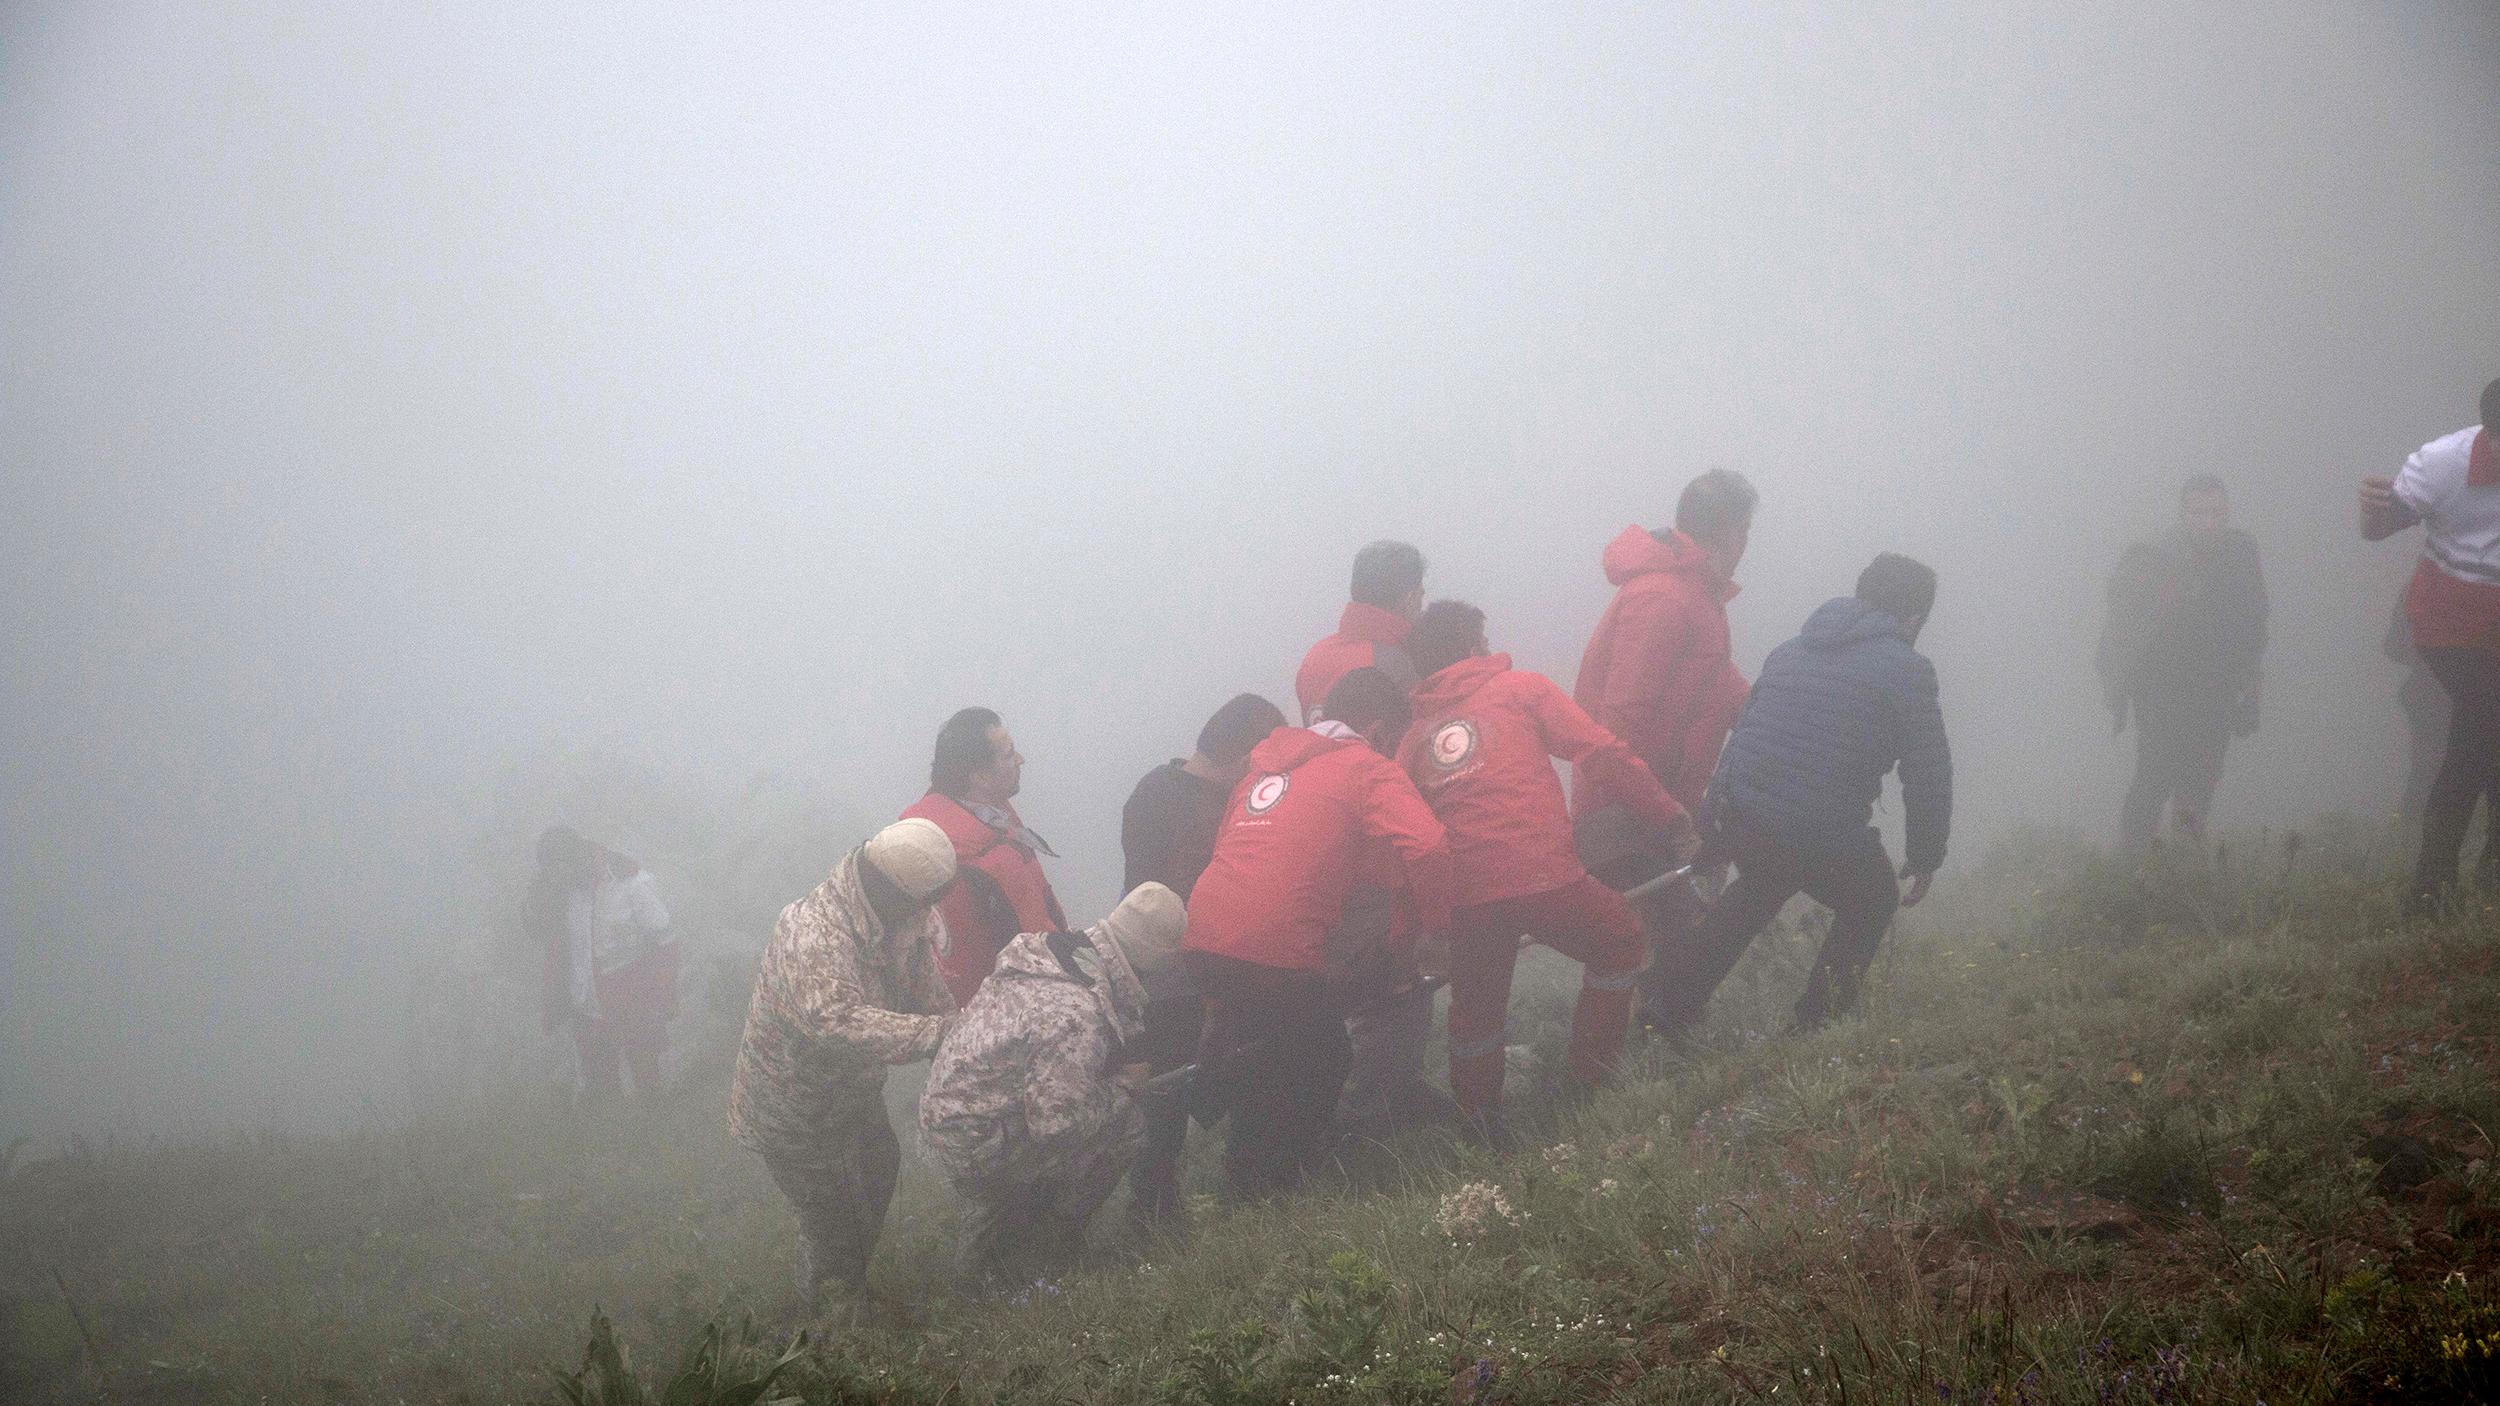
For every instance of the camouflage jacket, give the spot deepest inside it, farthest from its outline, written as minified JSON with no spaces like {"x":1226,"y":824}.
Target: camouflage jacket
{"x":837,"y":1000}
{"x":1023,"y":1085}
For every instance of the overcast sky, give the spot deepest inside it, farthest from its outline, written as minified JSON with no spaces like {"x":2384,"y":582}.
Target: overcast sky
{"x":390,"y":394}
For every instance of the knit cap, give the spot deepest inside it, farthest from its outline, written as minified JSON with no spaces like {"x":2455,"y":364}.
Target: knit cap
{"x":915,"y":854}
{"x":1145,"y":929}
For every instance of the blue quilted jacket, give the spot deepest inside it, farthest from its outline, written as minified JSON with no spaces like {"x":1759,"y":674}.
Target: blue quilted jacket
{"x":1835,"y":709}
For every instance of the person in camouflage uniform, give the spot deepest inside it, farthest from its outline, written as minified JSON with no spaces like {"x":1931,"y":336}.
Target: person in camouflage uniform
{"x":849,"y":985}
{"x":1028,"y":1110}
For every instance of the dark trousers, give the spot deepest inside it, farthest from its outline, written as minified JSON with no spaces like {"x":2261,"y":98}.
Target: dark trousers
{"x":606,"y":1060}
{"x":2181,"y":736}
{"x":1275,"y":1055}
{"x":1855,"y":881}
{"x":2472,"y":678}
{"x":1170,"y":1040}
{"x":1670,"y":917}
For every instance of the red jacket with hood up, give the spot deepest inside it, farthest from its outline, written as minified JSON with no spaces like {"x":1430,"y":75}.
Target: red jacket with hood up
{"x":975,"y":928}
{"x":1480,"y":752}
{"x":1315,"y":813}
{"x":1367,"y":637}
{"x":1657,"y":673}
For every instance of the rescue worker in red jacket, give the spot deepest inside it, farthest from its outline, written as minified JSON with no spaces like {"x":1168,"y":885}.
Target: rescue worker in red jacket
{"x":1480,"y":751}
{"x":1658,"y":672}
{"x":1316,"y":809}
{"x":1001,"y":890}
{"x":1387,"y":592}
{"x":1385,"y":1089}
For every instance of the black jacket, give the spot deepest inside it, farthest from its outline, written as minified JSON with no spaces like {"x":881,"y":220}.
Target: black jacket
{"x":1167,"y":829}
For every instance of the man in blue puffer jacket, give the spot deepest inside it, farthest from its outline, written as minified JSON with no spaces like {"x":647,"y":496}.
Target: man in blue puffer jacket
{"x":1836,"y":708}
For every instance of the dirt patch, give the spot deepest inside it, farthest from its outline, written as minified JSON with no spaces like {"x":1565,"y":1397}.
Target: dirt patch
{"x":2034,"y":1212}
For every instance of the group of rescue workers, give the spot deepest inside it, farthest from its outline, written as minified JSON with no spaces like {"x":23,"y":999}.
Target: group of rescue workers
{"x":1299,"y":888}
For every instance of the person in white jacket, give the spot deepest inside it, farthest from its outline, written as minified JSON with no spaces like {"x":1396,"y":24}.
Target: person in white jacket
{"x":612,"y":965}
{"x":2451,"y":487}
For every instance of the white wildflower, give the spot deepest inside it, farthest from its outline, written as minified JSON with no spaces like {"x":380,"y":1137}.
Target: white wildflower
{"x":1474,"y":1210}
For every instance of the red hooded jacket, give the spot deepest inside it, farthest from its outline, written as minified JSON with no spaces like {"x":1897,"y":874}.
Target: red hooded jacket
{"x":985,"y":910}
{"x":1479,"y":751}
{"x":1314,"y":813}
{"x":1657,"y":672}
{"x":1367,"y":637}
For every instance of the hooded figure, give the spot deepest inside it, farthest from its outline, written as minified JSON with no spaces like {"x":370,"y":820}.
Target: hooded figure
{"x":1481,"y":752}
{"x":1658,"y":671}
{"x":1847,"y":702}
{"x":1026,"y":1112}
{"x":849,"y":985}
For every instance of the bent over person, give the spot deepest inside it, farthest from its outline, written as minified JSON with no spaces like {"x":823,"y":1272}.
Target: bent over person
{"x":849,"y":985}
{"x":1835,"y":710}
{"x":1027,"y":1112}
{"x":1480,"y":752}
{"x":1319,"y":810}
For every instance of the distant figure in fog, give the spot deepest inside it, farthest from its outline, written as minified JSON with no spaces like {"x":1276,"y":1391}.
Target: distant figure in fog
{"x":2181,"y":654}
{"x":1659,"y":673}
{"x":1836,"y":709}
{"x":1028,"y":1112}
{"x":611,"y":966}
{"x":974,"y":775}
{"x":2425,"y":707}
{"x":2451,"y":486}
{"x":849,"y":985}
{"x":1386,"y":594}
{"x":1167,"y":837}
{"x":1482,"y":750}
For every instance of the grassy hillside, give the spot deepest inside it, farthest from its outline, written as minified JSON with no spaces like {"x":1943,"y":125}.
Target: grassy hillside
{"x":2221,"y":1135}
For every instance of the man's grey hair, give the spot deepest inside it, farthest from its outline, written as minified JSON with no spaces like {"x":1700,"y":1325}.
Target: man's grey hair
{"x":1714,"y":505}
{"x":1386,"y":573}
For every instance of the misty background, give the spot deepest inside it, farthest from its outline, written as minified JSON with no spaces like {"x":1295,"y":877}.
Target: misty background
{"x":394,"y":404}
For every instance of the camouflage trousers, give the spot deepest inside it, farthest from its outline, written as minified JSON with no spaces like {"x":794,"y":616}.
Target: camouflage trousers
{"x":840,"y":1182}
{"x":1018,"y":1228}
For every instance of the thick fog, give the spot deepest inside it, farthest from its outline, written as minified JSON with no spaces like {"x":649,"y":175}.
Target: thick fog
{"x":393,"y":397}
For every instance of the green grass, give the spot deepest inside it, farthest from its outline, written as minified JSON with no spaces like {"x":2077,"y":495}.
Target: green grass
{"x":2238,"y":1149}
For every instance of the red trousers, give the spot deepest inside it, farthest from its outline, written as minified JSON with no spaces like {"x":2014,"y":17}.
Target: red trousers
{"x":1585,"y":921}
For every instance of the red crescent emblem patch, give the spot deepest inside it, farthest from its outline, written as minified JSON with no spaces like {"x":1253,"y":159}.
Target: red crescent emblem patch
{"x":1266,"y":793}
